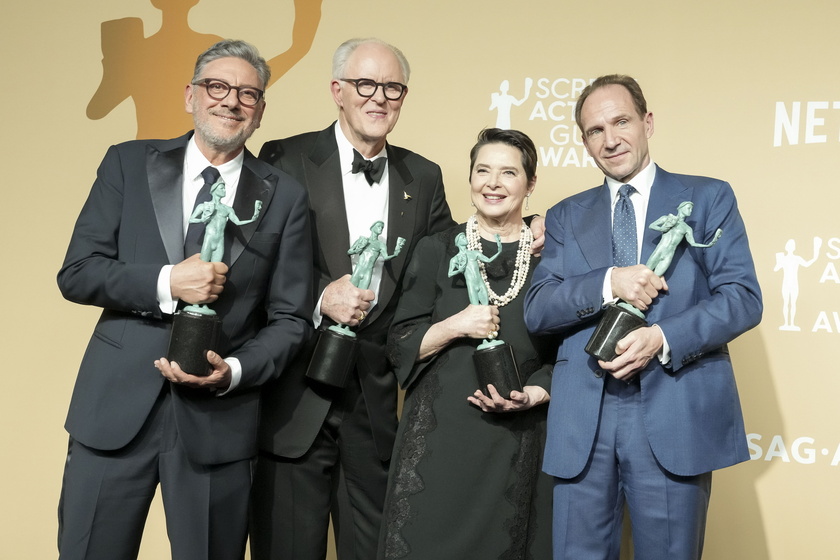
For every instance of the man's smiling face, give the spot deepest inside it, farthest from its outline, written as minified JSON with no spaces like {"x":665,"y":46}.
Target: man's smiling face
{"x":224,"y":125}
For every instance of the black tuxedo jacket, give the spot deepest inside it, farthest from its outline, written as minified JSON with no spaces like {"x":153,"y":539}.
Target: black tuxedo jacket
{"x":293,"y":409}
{"x":130,"y":227}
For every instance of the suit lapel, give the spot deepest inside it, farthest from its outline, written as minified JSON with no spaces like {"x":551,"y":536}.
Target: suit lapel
{"x":165,"y":170}
{"x":589,"y":227}
{"x":402,"y":214}
{"x":252,"y":187}
{"x":666,"y":194}
{"x":322,"y":174}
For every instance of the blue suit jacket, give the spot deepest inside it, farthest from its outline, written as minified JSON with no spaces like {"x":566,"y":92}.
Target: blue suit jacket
{"x":691,"y":408}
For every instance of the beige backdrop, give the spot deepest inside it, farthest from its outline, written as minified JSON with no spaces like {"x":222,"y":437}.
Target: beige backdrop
{"x":746,"y":91}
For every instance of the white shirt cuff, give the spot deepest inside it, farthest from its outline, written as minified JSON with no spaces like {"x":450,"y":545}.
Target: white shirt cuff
{"x":606,"y":290}
{"x":664,"y":355}
{"x":235,"y":375}
{"x":317,"y":316}
{"x":164,"y":292}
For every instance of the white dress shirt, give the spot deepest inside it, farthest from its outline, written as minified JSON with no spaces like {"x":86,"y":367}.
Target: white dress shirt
{"x":364,"y":205}
{"x":642,"y":182}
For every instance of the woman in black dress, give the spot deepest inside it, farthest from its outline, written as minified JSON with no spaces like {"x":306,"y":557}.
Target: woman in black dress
{"x":465,"y":477}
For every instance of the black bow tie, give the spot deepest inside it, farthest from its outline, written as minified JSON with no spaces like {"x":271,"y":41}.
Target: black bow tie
{"x":373,"y":169}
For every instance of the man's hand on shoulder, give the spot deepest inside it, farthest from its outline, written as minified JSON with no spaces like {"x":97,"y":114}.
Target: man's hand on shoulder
{"x":538,"y":229}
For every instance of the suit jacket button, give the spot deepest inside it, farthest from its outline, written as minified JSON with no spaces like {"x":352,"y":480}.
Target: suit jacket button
{"x":599,"y":373}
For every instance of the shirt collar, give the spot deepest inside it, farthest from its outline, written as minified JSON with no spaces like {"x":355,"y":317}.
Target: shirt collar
{"x":345,"y":150}
{"x":642,"y":182}
{"x":196,"y":163}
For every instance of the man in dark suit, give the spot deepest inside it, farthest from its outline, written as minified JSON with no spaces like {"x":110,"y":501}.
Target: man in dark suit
{"x":648,"y":427}
{"x":132,"y":427}
{"x":308,"y":430}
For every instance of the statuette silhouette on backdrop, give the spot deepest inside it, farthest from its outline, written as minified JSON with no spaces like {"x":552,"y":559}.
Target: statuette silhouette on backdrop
{"x":131,"y":65}
{"x":789,"y":263}
{"x":503,"y":102}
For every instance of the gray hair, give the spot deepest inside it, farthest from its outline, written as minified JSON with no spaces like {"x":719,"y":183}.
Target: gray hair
{"x":238,"y":49}
{"x":347,"y":48}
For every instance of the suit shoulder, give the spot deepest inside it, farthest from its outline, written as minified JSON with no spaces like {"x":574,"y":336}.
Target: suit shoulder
{"x":284,"y":180}
{"x":140,"y":146}
{"x":132,"y":154}
{"x":275,"y":151}
{"x":583,"y":198}
{"x":412,"y":159}
{"x":695,"y":181}
{"x":291,"y":142}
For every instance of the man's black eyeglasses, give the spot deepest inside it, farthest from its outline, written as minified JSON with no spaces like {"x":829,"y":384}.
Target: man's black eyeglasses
{"x":367,"y":88}
{"x":219,"y":89}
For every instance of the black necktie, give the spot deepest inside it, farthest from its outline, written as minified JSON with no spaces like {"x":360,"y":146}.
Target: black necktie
{"x":195,"y":231}
{"x":373,"y":169}
{"x":624,"y":229}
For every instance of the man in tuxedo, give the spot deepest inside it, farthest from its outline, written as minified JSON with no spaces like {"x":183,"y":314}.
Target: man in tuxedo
{"x":649,"y":427}
{"x":132,"y":426}
{"x":309,"y":431}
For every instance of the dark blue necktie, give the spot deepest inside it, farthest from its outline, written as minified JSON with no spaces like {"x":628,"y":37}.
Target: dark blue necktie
{"x":624,"y":229}
{"x":195,"y":231}
{"x":372,"y":169}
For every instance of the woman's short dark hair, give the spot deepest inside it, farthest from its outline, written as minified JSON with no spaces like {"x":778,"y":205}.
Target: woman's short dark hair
{"x":512,"y":138}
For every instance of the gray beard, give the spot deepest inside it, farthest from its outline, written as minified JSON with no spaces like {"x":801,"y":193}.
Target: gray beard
{"x":223,"y":143}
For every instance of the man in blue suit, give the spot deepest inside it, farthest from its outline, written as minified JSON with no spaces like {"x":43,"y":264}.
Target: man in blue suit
{"x":648,"y":427}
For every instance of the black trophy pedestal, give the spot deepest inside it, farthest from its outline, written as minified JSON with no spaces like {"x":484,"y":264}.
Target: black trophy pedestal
{"x":496,"y":365}
{"x":193,"y":334}
{"x":333,"y":358}
{"x":615,"y":323}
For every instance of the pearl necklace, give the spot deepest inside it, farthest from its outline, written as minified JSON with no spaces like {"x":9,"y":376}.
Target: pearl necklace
{"x":521,"y":266}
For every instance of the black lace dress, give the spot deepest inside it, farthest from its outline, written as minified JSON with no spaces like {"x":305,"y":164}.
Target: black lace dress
{"x":463,"y":483}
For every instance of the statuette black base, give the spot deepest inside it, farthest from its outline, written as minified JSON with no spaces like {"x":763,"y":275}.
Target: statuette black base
{"x":193,"y":334}
{"x":496,"y":365}
{"x":333,"y":358}
{"x":615,"y":324}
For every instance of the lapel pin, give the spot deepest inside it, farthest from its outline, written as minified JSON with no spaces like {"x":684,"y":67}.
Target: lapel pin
{"x":406,"y":196}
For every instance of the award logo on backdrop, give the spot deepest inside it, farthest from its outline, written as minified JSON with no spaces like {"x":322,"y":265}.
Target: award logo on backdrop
{"x":802,"y":450}
{"x":790,"y":263}
{"x":502,"y":101}
{"x":146,"y":68}
{"x":546,"y":112}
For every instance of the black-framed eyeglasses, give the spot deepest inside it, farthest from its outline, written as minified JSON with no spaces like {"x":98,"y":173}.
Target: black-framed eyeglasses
{"x":367,"y":88}
{"x":219,"y":89}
